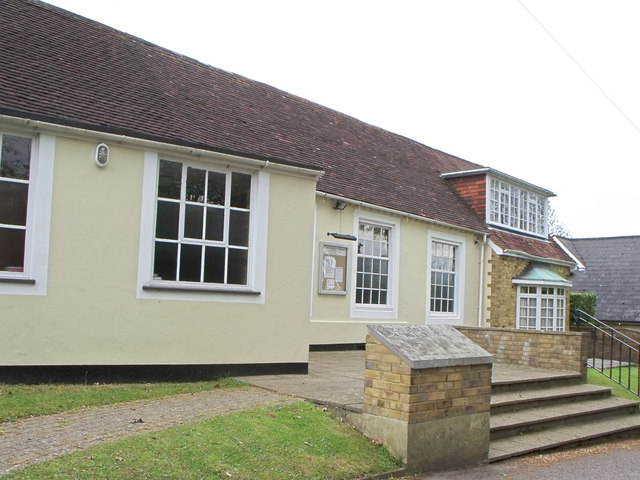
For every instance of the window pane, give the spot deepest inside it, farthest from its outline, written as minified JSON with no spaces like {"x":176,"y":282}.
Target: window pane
{"x":169,"y":179}
{"x":239,"y":228}
{"x":13,"y":203}
{"x":237,"y":272}
{"x":14,"y":162}
{"x":215,"y":224}
{"x":190,"y":262}
{"x":216,"y":188}
{"x":214,"y":264}
{"x":12,"y":251}
{"x":165,"y":262}
{"x":240,"y":190}
{"x":167,"y":219}
{"x":193,"y":217}
{"x":195,"y":185}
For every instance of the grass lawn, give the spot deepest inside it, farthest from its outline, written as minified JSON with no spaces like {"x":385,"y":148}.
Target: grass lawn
{"x":597,"y":378}
{"x":297,"y":441}
{"x":18,"y":401}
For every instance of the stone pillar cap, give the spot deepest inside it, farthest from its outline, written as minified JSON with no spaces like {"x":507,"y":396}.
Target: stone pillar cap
{"x":430,"y":346}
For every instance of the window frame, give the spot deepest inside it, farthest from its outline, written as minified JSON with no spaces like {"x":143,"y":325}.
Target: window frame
{"x":457,"y":316}
{"x":34,"y":277}
{"x":514,"y":199}
{"x":558,"y":321}
{"x":390,"y":309}
{"x":253,"y":290}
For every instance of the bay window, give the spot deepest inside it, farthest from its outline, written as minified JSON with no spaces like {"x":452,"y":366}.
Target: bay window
{"x":541,"y":308}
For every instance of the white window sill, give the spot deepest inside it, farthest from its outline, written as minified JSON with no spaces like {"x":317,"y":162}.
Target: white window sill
{"x":23,"y":280}
{"x":176,"y":287}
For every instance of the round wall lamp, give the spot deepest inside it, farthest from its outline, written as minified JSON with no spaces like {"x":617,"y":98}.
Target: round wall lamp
{"x":102,"y":155}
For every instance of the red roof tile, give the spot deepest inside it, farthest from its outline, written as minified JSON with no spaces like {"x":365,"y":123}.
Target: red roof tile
{"x":530,"y":245}
{"x":66,"y":69}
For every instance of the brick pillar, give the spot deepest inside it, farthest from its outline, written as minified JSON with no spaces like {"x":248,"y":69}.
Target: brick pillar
{"x":432,"y":411}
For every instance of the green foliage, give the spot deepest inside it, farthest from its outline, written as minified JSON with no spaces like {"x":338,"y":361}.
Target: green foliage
{"x":582,"y":301}
{"x":296,"y":441}
{"x":18,"y":401}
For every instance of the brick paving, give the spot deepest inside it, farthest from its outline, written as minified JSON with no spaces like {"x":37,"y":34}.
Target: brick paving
{"x":39,"y":438}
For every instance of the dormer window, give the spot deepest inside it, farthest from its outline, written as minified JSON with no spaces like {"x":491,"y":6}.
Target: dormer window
{"x":516,"y":208}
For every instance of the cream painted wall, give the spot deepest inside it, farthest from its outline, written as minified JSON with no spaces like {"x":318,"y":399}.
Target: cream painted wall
{"x":331,"y":322}
{"x":91,"y":314}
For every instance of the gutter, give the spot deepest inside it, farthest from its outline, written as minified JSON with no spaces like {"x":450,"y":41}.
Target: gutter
{"x":481,"y":282}
{"x":400,"y":213}
{"x":84,"y":134}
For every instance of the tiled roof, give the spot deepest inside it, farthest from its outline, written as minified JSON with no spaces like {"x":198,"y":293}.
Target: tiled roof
{"x":613,"y":273}
{"x":62,"y":68}
{"x":533,"y":246}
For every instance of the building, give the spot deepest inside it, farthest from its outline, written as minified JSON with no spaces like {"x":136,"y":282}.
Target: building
{"x":158,"y":211}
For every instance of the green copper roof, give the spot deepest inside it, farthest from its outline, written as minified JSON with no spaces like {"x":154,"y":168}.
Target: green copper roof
{"x":541,"y":274}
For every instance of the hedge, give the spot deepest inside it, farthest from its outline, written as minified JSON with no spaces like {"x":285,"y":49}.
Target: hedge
{"x":582,"y":301}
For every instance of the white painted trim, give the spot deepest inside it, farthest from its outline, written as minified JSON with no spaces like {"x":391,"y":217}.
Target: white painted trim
{"x":566,"y":250}
{"x":390,"y":311}
{"x":502,"y":176}
{"x":544,"y":283}
{"x":256,"y":275}
{"x":456,"y":317}
{"x":34,"y":279}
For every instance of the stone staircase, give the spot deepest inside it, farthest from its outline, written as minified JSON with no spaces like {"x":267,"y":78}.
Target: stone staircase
{"x":536,"y":409}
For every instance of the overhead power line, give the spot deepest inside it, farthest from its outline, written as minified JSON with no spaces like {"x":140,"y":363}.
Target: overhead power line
{"x":584,"y":71}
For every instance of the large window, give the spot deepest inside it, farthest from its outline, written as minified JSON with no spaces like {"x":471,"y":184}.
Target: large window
{"x":541,"y":308}
{"x":517,"y":208}
{"x":443,"y":277}
{"x":15,"y":165}
{"x":202,"y":225}
{"x":372,"y":269}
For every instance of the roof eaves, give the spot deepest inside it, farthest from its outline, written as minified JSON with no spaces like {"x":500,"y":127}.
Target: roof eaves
{"x":44,"y":122}
{"x":401,"y":213}
{"x":501,"y":176}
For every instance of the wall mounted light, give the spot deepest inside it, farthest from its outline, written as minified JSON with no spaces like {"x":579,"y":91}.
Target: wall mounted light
{"x":342,"y":236}
{"x":102,"y":155}
{"x":340,"y":205}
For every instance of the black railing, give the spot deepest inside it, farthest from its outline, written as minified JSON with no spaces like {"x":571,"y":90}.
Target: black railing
{"x":611,"y":352}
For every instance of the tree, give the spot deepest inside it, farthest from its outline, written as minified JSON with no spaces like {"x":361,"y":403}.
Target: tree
{"x":556,"y":227}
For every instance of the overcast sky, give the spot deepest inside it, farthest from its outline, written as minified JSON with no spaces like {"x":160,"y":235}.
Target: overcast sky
{"x":544,"y":90}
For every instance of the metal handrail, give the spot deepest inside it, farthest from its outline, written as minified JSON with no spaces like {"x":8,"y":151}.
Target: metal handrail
{"x":627,"y":349}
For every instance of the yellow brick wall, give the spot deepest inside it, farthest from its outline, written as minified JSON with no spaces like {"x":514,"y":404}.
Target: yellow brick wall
{"x":503,"y":293}
{"x":394,"y":390}
{"x":553,"y":350}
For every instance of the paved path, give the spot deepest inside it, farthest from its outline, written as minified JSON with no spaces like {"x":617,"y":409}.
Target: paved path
{"x":39,"y":438}
{"x":618,"y":459}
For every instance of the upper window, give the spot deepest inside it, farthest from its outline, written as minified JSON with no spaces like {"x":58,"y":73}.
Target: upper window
{"x":15,"y":165}
{"x":541,"y":308}
{"x":202,"y":225}
{"x":517,"y":208}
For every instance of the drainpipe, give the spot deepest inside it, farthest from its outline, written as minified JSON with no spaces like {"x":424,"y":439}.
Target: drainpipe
{"x":481,"y":282}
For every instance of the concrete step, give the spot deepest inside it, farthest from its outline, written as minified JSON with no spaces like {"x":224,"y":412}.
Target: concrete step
{"x":549,"y":416}
{"x":565,"y":435}
{"x":517,"y":400}
{"x":525,"y":381}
